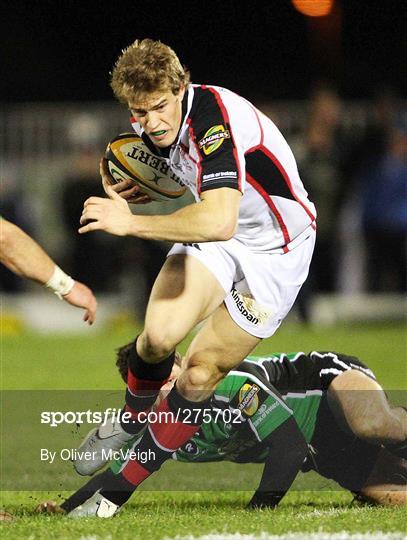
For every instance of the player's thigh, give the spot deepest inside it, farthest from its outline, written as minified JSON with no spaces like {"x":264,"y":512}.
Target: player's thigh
{"x":218,"y":347}
{"x":358,"y":402}
{"x":184,"y":293}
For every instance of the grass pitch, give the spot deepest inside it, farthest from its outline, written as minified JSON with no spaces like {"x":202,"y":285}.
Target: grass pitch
{"x":33,"y":362}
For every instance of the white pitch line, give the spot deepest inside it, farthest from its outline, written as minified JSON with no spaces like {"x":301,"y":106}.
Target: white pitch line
{"x":377,"y":535}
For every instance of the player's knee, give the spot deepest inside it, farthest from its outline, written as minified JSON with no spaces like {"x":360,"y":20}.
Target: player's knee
{"x":156,"y":344}
{"x":203,"y":377}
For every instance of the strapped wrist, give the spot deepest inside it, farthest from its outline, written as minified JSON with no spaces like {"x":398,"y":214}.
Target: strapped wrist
{"x":60,"y":283}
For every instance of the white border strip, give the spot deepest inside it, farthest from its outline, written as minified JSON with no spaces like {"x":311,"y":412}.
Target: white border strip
{"x":344,"y":535}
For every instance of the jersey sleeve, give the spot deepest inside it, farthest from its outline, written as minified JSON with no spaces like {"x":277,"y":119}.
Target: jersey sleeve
{"x":218,"y":159}
{"x":273,"y":424}
{"x":287,"y":451}
{"x":260,"y":405}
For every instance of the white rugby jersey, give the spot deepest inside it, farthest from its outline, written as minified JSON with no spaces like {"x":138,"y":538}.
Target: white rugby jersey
{"x":224,"y":141}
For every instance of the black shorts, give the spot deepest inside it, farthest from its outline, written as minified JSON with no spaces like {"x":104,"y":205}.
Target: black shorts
{"x":336,"y":455}
{"x":329,"y":365}
{"x":313,"y":371}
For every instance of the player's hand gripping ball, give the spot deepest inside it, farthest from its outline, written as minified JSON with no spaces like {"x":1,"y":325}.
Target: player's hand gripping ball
{"x":129,"y":158}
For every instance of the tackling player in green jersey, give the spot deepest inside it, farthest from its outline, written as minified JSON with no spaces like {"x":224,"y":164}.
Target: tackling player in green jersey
{"x":323,"y":411}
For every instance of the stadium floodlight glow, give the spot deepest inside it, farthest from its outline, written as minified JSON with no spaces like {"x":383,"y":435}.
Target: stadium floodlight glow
{"x":313,"y":8}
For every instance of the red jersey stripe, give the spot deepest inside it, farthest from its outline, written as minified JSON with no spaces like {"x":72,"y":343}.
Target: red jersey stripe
{"x":198,"y":164}
{"x":271,"y":205}
{"x":284,"y":174}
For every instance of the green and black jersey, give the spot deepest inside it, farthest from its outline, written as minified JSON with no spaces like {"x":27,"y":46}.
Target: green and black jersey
{"x":258,"y":397}
{"x":253,"y":401}
{"x":267,"y":410}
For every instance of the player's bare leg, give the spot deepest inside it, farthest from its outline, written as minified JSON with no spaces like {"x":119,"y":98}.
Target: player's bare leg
{"x":386,"y":484}
{"x":360,"y":405}
{"x":185,"y":293}
{"x":218,"y":347}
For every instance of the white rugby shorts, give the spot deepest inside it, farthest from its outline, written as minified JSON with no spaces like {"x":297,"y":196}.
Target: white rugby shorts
{"x":260,"y":287}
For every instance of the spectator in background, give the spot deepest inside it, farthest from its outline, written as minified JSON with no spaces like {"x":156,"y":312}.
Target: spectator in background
{"x":384,"y":211}
{"x":378,"y":161}
{"x":320,"y":151}
{"x":367,"y":147}
{"x":88,"y":258}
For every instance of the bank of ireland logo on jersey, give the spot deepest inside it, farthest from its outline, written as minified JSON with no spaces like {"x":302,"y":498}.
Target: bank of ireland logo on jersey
{"x":213,"y":139}
{"x":263,"y":413}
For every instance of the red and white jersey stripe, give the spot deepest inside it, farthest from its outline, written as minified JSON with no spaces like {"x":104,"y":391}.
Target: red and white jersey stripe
{"x":224,"y":141}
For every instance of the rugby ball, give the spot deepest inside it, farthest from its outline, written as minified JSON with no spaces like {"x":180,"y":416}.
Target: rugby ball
{"x":129,"y":158}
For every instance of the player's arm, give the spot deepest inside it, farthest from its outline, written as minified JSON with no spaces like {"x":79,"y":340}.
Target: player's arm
{"x":214,"y":218}
{"x":23,"y":256}
{"x":272,"y":422}
{"x":287,"y":451}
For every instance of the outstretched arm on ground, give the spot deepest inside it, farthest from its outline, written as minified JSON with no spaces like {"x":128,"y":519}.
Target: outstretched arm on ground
{"x":287,"y":451}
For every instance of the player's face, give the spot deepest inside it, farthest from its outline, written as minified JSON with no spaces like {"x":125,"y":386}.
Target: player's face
{"x":160,"y":115}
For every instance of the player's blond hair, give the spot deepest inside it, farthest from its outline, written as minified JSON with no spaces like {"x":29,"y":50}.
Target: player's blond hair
{"x":147,"y":66}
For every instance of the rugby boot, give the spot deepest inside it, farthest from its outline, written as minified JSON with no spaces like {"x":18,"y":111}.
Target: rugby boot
{"x":95,"y":506}
{"x":99,"y":446}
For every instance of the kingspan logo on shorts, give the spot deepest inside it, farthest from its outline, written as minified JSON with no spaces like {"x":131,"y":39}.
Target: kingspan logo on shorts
{"x":249,"y":308}
{"x":213,"y":139}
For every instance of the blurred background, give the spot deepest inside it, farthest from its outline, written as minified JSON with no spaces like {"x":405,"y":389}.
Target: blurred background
{"x":330,"y":73}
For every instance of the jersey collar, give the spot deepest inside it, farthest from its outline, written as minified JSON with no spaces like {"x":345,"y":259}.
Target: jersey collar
{"x":186,"y":109}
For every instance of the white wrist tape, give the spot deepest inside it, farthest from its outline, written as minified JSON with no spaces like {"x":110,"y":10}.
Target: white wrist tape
{"x":60,"y":283}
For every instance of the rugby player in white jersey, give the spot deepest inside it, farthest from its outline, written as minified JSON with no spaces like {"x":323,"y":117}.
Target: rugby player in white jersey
{"x":240,"y":254}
